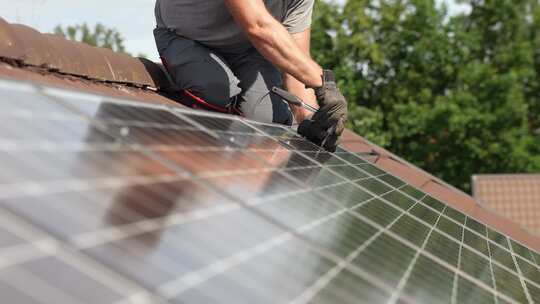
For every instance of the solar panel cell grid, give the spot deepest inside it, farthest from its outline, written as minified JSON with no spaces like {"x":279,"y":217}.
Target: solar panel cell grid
{"x":466,"y":292}
{"x":425,"y":275}
{"x":386,"y":258}
{"x":409,"y":229}
{"x":521,"y":250}
{"x":424,"y":213}
{"x":218,"y":209}
{"x":370,"y":169}
{"x":347,"y":288}
{"x":443,"y":248}
{"x":392,"y":181}
{"x":347,"y":195}
{"x":433,"y":203}
{"x":509,"y":284}
{"x":267,"y":278}
{"x":415,"y":193}
{"x":476,"y":242}
{"x":342,"y":234}
{"x":476,"y":226}
{"x":352,"y":159}
{"x":455,"y":215}
{"x":534,"y":291}
{"x":536,"y":257}
{"x":529,"y":271}
{"x":378,"y":212}
{"x":502,"y":256}
{"x":399,"y":199}
{"x":451,"y":229}
{"x":374,"y":185}
{"x":497,"y":238}
{"x":476,"y":265}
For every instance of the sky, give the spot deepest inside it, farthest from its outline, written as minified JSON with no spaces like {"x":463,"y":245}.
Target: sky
{"x":134,"y":19}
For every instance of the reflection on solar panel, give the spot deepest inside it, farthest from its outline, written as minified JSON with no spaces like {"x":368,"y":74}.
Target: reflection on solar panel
{"x":112,"y":201}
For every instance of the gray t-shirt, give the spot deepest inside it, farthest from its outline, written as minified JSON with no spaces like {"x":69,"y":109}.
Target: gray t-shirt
{"x":209,"y":21}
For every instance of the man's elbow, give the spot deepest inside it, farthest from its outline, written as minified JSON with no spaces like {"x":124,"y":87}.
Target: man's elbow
{"x":258,"y":30}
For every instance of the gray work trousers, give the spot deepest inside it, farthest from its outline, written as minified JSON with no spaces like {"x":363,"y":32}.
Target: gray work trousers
{"x":220,"y":76}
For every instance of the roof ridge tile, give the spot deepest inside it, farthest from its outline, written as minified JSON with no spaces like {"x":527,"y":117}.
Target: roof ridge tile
{"x":27,"y":46}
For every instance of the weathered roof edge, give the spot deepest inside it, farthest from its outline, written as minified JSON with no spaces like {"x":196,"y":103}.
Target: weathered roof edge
{"x":53,"y":60}
{"x":25,"y":46}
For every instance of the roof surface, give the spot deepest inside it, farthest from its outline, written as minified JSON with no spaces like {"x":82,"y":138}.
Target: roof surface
{"x":516,"y":196}
{"x":49,"y":59}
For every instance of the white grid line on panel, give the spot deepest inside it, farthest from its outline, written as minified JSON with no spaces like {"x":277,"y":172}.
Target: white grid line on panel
{"x":40,"y":290}
{"x":491,"y":268}
{"x":19,"y":254}
{"x":408,"y":272}
{"x":520,"y":274}
{"x":456,"y":276}
{"x":323,"y":281}
{"x":421,"y":221}
{"x":82,"y":263}
{"x":451,"y":238}
{"x":414,"y":247}
{"x":40,"y":188}
{"x":431,"y":256}
{"x":200,"y":276}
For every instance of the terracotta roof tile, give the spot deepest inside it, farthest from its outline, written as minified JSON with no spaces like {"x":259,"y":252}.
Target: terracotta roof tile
{"x":125,"y":68}
{"x":34,"y":48}
{"x":516,"y":197}
{"x":50,"y":59}
{"x":50,"y":51}
{"x":349,"y":136}
{"x":98,"y":66}
{"x":71,"y":59}
{"x":10,"y":44}
{"x":84,"y":85}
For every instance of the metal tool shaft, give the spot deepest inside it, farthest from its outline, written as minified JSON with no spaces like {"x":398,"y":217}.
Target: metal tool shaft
{"x":293,"y":99}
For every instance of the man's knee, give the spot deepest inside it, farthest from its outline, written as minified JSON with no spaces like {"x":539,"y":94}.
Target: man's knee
{"x":215,"y":88}
{"x":195,"y":68}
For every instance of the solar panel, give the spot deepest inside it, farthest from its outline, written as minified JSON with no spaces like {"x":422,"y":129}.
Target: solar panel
{"x":127,"y":202}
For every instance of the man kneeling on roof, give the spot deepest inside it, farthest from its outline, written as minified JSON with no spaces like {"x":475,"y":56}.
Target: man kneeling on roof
{"x":233,"y":52}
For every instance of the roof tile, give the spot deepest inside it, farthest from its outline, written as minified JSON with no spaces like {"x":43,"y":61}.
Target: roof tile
{"x":51,"y":51}
{"x":126,"y":68}
{"x":516,"y":196}
{"x":10,"y":44}
{"x":71,"y":59}
{"x":35,"y":47}
{"x":97,"y":64}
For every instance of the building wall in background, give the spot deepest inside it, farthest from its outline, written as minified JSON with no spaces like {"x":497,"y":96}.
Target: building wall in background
{"x":516,"y":197}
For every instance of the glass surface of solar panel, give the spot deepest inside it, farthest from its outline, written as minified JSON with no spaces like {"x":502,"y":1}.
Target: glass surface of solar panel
{"x":130,"y":201}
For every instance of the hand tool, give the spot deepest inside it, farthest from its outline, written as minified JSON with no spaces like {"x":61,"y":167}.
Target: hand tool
{"x":300,"y":103}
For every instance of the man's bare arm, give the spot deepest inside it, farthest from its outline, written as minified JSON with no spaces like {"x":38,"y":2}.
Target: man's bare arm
{"x":303,"y":40}
{"x":274,"y":42}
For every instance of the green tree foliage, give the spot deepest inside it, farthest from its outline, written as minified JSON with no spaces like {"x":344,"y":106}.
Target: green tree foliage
{"x":456,"y":95}
{"x":99,"y":35}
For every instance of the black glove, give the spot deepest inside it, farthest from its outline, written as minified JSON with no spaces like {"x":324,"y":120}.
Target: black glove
{"x":327,"y":124}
